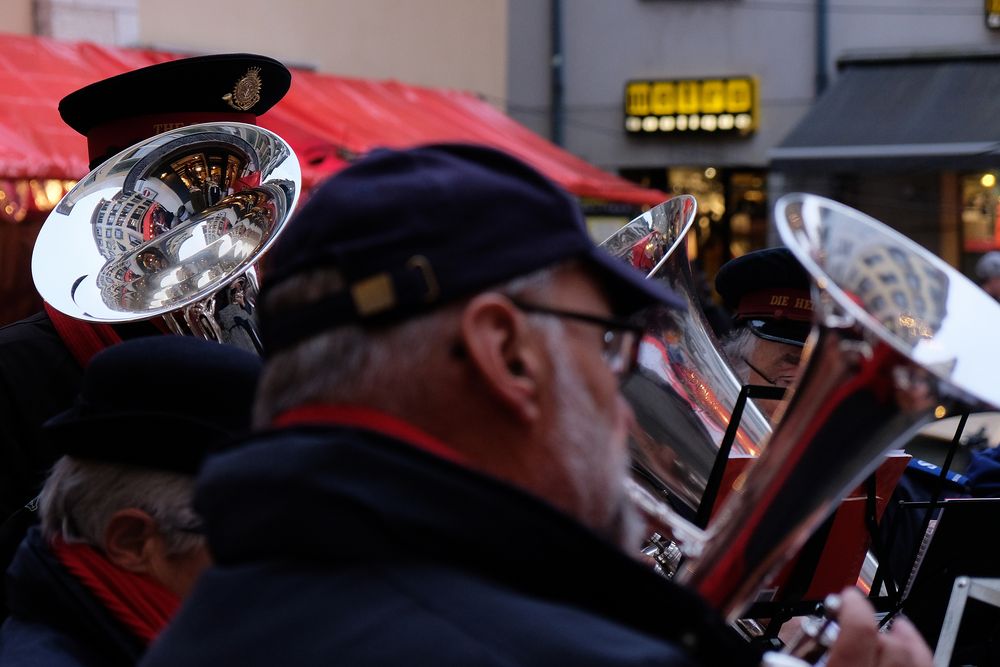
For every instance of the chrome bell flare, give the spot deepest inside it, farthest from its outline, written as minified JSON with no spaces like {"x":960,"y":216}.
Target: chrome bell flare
{"x":868,"y":274}
{"x":166,"y":223}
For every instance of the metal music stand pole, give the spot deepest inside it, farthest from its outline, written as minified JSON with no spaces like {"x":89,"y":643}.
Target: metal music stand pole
{"x":935,"y":501}
{"x":719,"y":467}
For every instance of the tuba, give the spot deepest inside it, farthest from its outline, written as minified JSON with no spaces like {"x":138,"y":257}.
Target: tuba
{"x":900,"y":338}
{"x":685,"y":390}
{"x":171,"y":227}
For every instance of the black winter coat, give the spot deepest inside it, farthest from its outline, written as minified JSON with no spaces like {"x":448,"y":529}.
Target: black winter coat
{"x":39,"y":377}
{"x":341,"y":546}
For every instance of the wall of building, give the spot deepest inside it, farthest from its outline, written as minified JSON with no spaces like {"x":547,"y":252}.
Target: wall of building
{"x":443,"y":43}
{"x":529,"y":92}
{"x":608,"y":42}
{"x":102,"y":21}
{"x":16,"y":16}
{"x":906,"y":24}
{"x":459,"y":44}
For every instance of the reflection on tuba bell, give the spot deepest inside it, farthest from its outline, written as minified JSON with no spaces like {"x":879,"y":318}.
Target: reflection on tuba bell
{"x":171,"y":227}
{"x":900,"y":338}
{"x":685,"y":390}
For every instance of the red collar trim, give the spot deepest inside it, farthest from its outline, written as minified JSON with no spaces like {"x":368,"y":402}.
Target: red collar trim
{"x":84,"y":339}
{"x":371,"y":420}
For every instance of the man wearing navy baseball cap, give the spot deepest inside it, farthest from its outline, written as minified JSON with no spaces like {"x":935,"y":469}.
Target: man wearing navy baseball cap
{"x":440,"y":478}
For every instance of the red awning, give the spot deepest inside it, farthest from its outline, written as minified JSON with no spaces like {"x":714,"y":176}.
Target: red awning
{"x":326,"y":119}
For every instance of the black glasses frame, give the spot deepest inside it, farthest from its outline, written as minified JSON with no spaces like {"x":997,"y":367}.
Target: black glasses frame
{"x":611,"y":325}
{"x":756,"y":370}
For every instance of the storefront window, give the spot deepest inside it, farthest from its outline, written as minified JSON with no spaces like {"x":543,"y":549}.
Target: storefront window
{"x":732,"y":209}
{"x":980,"y":199}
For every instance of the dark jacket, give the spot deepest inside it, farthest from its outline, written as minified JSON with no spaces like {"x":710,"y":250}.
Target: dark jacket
{"x":39,"y":377}
{"x":983,"y":473}
{"x":54,"y":621}
{"x":340,"y":546}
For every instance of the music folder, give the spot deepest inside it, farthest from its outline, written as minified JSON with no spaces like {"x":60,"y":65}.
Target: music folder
{"x":829,"y":565}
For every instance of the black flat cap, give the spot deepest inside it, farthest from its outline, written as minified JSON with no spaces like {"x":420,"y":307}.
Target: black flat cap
{"x":161,"y":402}
{"x":408,"y":230}
{"x":122,"y":110}
{"x":769,"y":292}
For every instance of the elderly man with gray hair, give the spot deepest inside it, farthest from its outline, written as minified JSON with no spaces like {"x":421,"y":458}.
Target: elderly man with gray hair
{"x":120,"y":544}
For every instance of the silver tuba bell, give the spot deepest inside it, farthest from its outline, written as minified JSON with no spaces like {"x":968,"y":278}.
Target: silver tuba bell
{"x":900,"y":338}
{"x":171,"y":227}
{"x":685,"y":390}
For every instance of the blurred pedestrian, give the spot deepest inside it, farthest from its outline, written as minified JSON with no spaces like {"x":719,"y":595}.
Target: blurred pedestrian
{"x":988,"y":273}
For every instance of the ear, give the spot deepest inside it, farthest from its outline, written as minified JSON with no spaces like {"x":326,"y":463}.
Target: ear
{"x":505,"y":354}
{"x":129,"y":540}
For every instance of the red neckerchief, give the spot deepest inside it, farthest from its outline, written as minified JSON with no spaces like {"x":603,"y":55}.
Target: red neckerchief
{"x":372,"y":420}
{"x":84,"y":339}
{"x":141,"y":604}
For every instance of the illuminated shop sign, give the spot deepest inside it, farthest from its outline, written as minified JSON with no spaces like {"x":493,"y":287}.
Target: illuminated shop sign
{"x":679,"y":106}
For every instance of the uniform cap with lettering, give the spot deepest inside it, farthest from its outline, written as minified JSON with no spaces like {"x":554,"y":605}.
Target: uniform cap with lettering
{"x":768,"y":292}
{"x":122,"y":110}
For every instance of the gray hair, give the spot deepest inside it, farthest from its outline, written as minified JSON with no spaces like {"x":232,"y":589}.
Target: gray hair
{"x":80,"y":497}
{"x":738,"y":345}
{"x":353,"y":361}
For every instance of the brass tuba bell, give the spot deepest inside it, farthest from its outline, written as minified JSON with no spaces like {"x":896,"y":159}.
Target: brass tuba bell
{"x":172,"y":227}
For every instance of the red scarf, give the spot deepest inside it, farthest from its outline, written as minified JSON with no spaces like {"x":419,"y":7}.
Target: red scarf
{"x":358,"y":416}
{"x":141,"y":604}
{"x":84,"y":339}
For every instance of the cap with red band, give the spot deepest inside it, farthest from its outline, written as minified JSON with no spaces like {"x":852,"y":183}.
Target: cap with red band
{"x":768,"y":291}
{"x":123,"y":110}
{"x":776,"y":303}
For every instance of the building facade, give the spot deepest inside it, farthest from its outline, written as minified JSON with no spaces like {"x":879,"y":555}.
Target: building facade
{"x":696,"y":96}
{"x":671,"y":63}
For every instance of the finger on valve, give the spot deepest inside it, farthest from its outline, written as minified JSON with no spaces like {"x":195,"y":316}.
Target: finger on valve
{"x":859,"y":642}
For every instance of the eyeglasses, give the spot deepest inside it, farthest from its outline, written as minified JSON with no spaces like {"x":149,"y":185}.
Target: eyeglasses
{"x":758,"y":372}
{"x":621,"y":337}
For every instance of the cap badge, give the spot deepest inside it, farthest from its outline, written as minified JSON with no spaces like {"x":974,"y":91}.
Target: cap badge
{"x":246,"y":92}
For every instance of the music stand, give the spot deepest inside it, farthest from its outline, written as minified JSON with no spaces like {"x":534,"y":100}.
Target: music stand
{"x":983,"y":590}
{"x":954,"y":547}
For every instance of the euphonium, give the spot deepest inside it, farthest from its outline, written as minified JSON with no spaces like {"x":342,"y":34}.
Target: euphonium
{"x":685,"y":390}
{"x":900,"y":338}
{"x":171,"y":227}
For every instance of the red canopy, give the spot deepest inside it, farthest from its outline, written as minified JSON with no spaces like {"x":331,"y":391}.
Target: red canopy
{"x":326,"y":119}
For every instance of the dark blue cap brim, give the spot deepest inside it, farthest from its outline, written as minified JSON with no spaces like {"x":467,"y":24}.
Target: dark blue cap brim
{"x":628,"y":289}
